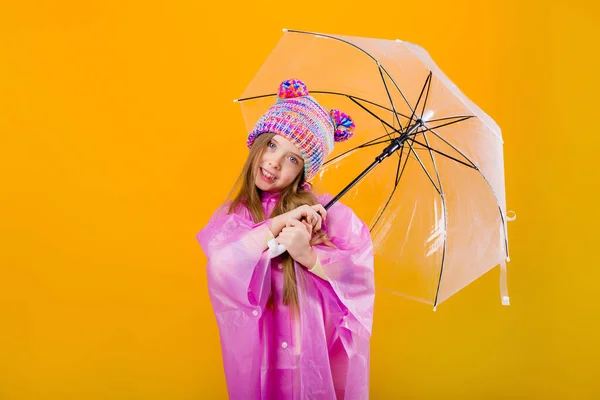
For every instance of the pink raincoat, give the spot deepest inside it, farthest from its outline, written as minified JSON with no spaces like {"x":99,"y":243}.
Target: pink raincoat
{"x":322,"y":352}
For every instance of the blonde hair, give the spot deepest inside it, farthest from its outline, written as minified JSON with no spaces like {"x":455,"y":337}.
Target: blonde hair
{"x":290,"y":198}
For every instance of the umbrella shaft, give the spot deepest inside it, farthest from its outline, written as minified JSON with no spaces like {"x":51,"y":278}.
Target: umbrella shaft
{"x":397,"y":143}
{"x":354,"y":182}
{"x":388,"y":151}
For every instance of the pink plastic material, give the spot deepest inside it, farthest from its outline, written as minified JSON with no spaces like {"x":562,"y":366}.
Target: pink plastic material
{"x":322,"y":352}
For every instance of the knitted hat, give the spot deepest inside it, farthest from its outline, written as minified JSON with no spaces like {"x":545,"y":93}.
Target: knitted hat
{"x":298,"y":117}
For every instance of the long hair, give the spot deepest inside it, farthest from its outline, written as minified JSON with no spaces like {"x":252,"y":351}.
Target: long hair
{"x":290,"y":198}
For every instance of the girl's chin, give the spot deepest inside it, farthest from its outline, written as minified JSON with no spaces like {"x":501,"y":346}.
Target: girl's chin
{"x":265,"y":187}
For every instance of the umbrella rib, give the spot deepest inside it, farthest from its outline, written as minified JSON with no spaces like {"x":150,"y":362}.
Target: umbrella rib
{"x":381,"y":67}
{"x":334,"y":38}
{"x":397,"y":180}
{"x":446,"y":118}
{"x":260,"y":96}
{"x":489,"y":185}
{"x":396,"y":86}
{"x":357,"y":98}
{"x":426,"y":94}
{"x":423,"y":166}
{"x":370,"y":143}
{"x":444,"y":212}
{"x":388,"y":199}
{"x":426,"y":147}
{"x":390,"y":96}
{"x":352,"y":98}
{"x":453,"y":122}
{"x":373,"y":140}
{"x":374,"y":115}
{"x":437,"y":173}
{"x":419,"y":99}
{"x":451,"y":145}
{"x":398,"y":174}
{"x":403,"y":166}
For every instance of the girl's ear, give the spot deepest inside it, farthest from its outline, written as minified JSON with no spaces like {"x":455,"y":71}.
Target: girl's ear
{"x":305,"y":186}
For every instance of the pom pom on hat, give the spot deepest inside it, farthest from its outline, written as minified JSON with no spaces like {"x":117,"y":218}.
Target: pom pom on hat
{"x":344,"y":126}
{"x":291,"y":89}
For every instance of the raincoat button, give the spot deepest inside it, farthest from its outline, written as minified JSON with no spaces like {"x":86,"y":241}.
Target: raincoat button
{"x":280,"y":266}
{"x":284,"y":345}
{"x":255,"y":313}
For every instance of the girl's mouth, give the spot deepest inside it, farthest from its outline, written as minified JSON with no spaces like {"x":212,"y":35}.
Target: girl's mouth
{"x":267,"y":176}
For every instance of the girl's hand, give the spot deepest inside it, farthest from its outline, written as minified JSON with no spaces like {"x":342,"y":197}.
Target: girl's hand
{"x":314,"y":215}
{"x":296,"y":238}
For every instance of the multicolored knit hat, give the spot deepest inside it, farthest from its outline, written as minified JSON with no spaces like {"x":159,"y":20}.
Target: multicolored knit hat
{"x":298,"y":117}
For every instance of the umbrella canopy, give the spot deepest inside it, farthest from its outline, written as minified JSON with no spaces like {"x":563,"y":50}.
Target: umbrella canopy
{"x":436,"y":205}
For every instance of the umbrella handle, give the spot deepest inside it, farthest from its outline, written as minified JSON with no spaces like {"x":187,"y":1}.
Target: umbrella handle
{"x":275,"y":248}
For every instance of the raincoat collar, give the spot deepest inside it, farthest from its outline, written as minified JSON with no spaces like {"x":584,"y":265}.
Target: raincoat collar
{"x":267,"y":197}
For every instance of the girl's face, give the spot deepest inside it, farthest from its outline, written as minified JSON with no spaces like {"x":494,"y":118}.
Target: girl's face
{"x":279,"y":165}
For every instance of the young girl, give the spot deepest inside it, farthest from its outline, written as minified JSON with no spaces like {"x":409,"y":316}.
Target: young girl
{"x":296,"y":326}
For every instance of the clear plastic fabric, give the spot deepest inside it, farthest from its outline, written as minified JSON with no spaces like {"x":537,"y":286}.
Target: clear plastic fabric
{"x":436,"y":208}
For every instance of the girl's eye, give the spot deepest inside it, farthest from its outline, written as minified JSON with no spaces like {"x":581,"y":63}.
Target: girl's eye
{"x":271,"y":145}
{"x":294,"y":160}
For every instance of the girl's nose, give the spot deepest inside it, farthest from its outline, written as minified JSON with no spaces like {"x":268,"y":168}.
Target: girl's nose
{"x":274,"y":162}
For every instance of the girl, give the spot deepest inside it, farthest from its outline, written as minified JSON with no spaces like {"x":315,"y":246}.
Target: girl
{"x":296,"y":326}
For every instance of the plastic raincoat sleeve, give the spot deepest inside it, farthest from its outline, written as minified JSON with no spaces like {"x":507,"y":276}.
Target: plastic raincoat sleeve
{"x":234,"y":246}
{"x":349,"y":267}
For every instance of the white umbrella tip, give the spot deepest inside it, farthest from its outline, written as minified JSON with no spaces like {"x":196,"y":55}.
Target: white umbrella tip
{"x":285,"y":29}
{"x":428,"y":115}
{"x":235,"y":100}
{"x":398,"y":41}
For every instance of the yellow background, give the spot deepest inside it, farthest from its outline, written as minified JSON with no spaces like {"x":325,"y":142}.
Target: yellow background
{"x":118,"y":137}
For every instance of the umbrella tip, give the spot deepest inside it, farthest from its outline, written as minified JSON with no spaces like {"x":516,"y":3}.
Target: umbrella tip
{"x":285,"y":29}
{"x":427,"y":116}
{"x":398,"y":41}
{"x":235,"y":100}
{"x":434,"y":308}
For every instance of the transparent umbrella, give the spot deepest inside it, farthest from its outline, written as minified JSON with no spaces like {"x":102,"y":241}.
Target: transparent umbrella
{"x":424,"y":169}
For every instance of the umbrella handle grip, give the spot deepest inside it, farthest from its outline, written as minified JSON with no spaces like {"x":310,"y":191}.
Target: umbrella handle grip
{"x":275,"y":248}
